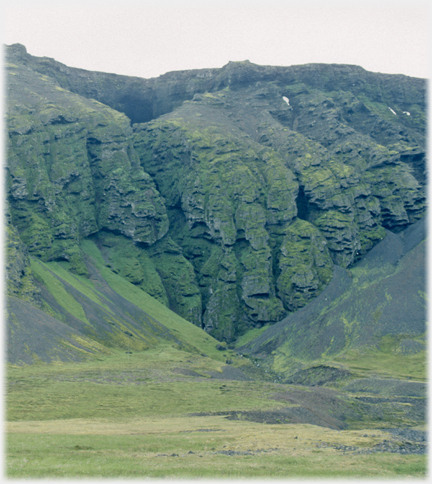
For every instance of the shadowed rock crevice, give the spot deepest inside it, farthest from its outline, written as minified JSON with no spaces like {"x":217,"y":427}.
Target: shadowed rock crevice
{"x":302,"y":205}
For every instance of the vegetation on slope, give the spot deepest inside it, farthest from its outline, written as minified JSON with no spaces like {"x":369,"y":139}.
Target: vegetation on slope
{"x":371,"y":316}
{"x":269,"y":207}
{"x":232,"y":207}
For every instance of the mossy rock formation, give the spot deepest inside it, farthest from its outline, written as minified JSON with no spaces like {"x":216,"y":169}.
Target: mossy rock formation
{"x":229,"y":195}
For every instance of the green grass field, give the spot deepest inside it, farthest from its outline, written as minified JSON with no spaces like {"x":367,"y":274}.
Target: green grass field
{"x":132,"y":415}
{"x":179,"y":448}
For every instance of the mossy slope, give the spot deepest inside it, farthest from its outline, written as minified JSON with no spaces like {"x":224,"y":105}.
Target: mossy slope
{"x":234,"y":196}
{"x":263,"y":206}
{"x":80,"y":317}
{"x":376,"y":311}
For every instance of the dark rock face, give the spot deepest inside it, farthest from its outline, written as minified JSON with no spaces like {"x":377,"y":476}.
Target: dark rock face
{"x":72,"y":171}
{"x":19,"y":278}
{"x":236,"y":190}
{"x":378,"y":304}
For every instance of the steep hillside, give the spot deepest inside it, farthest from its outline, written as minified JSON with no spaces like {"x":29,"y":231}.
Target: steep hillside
{"x":72,"y":317}
{"x":233,"y":196}
{"x":376,"y":310}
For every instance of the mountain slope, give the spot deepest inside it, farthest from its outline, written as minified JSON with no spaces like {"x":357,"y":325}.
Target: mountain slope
{"x":264,"y":226}
{"x":234,"y":199}
{"x":377,"y":308}
{"x":77,"y":317}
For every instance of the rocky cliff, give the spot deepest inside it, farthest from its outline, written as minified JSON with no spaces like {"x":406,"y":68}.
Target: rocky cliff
{"x":377,"y":306}
{"x":230,"y":195}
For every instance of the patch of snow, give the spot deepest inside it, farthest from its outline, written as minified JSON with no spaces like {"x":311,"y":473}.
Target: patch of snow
{"x":393,"y":111}
{"x":286,"y":100}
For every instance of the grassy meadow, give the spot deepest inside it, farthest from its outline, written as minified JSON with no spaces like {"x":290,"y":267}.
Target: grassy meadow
{"x":159,"y":413}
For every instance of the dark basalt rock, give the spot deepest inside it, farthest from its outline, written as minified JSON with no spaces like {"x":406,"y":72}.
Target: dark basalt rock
{"x":19,"y":277}
{"x":379,"y":304}
{"x":235,"y":190}
{"x":72,"y":171}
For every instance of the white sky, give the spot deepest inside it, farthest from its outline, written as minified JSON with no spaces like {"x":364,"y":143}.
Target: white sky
{"x":148,"y":38}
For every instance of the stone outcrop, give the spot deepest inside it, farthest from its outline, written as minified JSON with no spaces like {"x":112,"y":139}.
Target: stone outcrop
{"x":285,"y":205}
{"x":19,"y":277}
{"x":378,"y":305}
{"x":72,"y":171}
{"x":227,"y":194}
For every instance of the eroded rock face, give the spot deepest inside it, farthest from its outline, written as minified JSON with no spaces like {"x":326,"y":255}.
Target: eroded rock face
{"x":237,"y":191}
{"x":72,"y":171}
{"x":161,"y":270}
{"x":230,"y":200}
{"x":283,"y":205}
{"x":19,"y":277}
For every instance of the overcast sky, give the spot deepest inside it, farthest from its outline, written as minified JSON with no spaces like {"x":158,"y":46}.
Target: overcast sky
{"x":148,"y":38}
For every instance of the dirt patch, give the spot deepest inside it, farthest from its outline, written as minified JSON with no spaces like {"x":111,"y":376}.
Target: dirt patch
{"x":329,"y":408}
{"x":230,"y":373}
{"x":291,"y":415}
{"x":186,"y":372}
{"x":387,"y":387}
{"x":318,"y":375}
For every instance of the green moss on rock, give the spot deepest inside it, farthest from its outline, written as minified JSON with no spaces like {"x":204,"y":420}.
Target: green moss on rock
{"x":305,"y":265}
{"x":231,"y":207}
{"x":72,"y":171}
{"x":178,"y":278}
{"x":20,"y":281}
